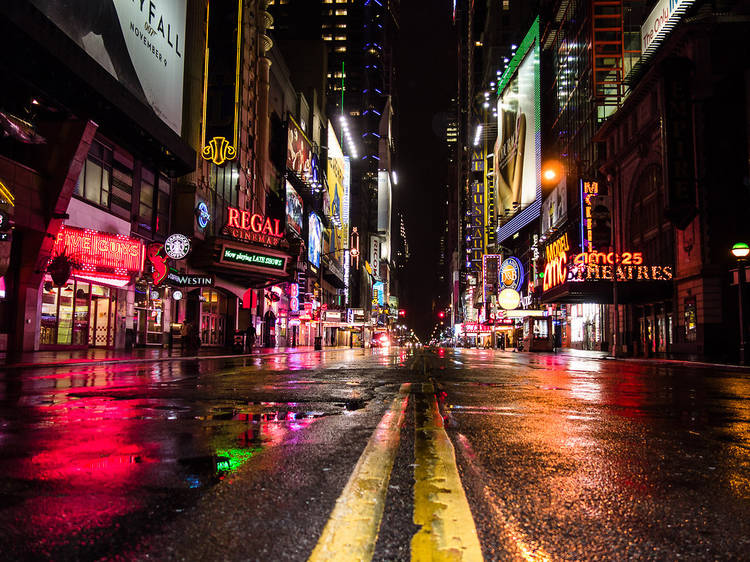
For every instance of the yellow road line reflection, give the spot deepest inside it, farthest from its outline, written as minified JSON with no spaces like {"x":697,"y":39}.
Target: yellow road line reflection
{"x":352,"y":529}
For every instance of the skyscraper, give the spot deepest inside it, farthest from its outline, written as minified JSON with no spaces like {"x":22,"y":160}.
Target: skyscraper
{"x":359,"y":91}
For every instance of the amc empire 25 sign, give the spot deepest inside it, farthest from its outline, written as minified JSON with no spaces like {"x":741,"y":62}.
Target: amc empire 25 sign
{"x":246,"y":257}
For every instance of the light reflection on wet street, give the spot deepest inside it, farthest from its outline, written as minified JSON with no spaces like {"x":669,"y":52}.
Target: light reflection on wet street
{"x":562,"y":457}
{"x":571,"y":458}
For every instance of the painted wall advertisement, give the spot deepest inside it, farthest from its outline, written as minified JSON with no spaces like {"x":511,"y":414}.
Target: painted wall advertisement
{"x":141,"y":44}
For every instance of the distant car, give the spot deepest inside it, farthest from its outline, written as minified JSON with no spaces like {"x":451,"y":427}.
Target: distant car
{"x":381,"y":340}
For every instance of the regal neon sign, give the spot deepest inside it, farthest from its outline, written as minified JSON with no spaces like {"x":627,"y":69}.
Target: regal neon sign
{"x":97,"y":251}
{"x":253,"y":227}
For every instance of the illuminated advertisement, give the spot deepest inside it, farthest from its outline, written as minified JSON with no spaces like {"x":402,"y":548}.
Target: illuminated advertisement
{"x":252,"y":227}
{"x":248,"y":257}
{"x":298,"y":151}
{"x":511,"y":274}
{"x":378,"y":293}
{"x":314,"y":239}
{"x":94,"y":250}
{"x":660,"y":22}
{"x":477,"y":220}
{"x":294,"y":210}
{"x":335,"y":243}
{"x":491,"y":274}
{"x":601,"y":266}
{"x":141,"y":44}
{"x":517,"y":154}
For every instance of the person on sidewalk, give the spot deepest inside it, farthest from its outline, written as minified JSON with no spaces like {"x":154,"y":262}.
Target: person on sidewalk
{"x":251,"y":334}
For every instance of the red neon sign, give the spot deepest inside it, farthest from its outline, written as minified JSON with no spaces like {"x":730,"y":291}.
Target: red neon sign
{"x":555,"y":272}
{"x":100,"y":251}
{"x":611,"y":258}
{"x":253,"y":227}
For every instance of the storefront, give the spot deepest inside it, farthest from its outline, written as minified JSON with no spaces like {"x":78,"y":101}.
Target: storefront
{"x":214,"y":317}
{"x":150,"y":314}
{"x":79,"y":314}
{"x":85,"y":290}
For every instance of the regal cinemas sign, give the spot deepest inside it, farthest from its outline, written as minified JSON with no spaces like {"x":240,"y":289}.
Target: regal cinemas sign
{"x":253,"y":227}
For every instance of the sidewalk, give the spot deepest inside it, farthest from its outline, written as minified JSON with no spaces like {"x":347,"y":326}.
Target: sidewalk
{"x":79,"y":357}
{"x":651,"y":360}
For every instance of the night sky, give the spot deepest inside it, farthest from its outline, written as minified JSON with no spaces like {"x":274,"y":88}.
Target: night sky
{"x":426,"y":82}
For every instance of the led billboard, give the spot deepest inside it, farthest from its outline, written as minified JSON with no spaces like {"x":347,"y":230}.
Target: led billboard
{"x":334,"y":244}
{"x":294,"y":210}
{"x":517,"y":154}
{"x":299,"y":151}
{"x":141,"y":44}
{"x":315,"y":237}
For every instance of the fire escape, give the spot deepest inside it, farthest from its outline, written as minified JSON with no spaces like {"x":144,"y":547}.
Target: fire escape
{"x":608,"y":56}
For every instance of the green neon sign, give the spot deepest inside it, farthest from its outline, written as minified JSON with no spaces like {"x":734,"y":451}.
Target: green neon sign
{"x":246,"y":257}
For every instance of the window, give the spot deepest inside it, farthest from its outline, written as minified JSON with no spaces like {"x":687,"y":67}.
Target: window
{"x":224,"y":184}
{"x":340,"y":12}
{"x":162,"y":206}
{"x":146,"y":201}
{"x":94,"y":182}
{"x":649,"y":232}
{"x":122,"y":184}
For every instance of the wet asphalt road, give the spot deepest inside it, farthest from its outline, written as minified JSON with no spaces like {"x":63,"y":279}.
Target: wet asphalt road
{"x":560,"y":457}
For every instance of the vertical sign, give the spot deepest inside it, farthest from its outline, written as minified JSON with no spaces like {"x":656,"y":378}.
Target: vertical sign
{"x":589,"y":189}
{"x":221,"y":80}
{"x":491,"y":274}
{"x":476,"y":231}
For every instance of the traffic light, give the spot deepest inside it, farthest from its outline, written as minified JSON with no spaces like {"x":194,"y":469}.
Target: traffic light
{"x":402,"y":312}
{"x":441,"y":314}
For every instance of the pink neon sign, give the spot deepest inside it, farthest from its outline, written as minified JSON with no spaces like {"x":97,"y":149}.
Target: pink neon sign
{"x":96,"y":250}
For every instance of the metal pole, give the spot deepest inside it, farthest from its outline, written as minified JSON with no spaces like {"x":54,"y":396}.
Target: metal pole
{"x":740,"y":284}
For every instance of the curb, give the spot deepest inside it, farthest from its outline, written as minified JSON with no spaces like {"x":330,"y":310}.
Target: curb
{"x":77,"y":363}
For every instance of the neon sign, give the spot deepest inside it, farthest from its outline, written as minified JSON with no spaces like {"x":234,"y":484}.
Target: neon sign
{"x":243,"y":257}
{"x":98,"y":250}
{"x":555,"y":272}
{"x":556,"y":248}
{"x":601,"y":266}
{"x":202,"y":214}
{"x":594,"y":272}
{"x":588,"y":189}
{"x":252,"y":227}
{"x":158,"y":262}
{"x":511,"y":274}
{"x":611,"y":258}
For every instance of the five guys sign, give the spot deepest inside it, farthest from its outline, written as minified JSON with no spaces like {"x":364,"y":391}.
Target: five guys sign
{"x":253,"y":227}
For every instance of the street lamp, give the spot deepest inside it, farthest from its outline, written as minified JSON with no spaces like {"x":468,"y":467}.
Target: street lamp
{"x":741,"y":251}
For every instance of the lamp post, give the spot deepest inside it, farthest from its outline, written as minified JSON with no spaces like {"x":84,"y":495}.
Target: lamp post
{"x":740,"y":251}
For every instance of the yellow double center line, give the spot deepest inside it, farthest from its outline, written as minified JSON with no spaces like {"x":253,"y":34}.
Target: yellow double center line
{"x":440,"y":505}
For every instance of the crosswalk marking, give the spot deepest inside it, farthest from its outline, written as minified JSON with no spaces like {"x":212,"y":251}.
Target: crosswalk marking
{"x":440,"y":505}
{"x":352,"y":530}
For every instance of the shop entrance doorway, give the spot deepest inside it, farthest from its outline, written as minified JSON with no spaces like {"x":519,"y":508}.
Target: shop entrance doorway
{"x":102,"y":317}
{"x":213,"y":317}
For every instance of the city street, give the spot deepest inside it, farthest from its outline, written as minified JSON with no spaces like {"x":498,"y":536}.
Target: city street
{"x":358,"y":454}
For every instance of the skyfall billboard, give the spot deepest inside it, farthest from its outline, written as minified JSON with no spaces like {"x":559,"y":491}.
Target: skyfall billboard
{"x":141,"y":44}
